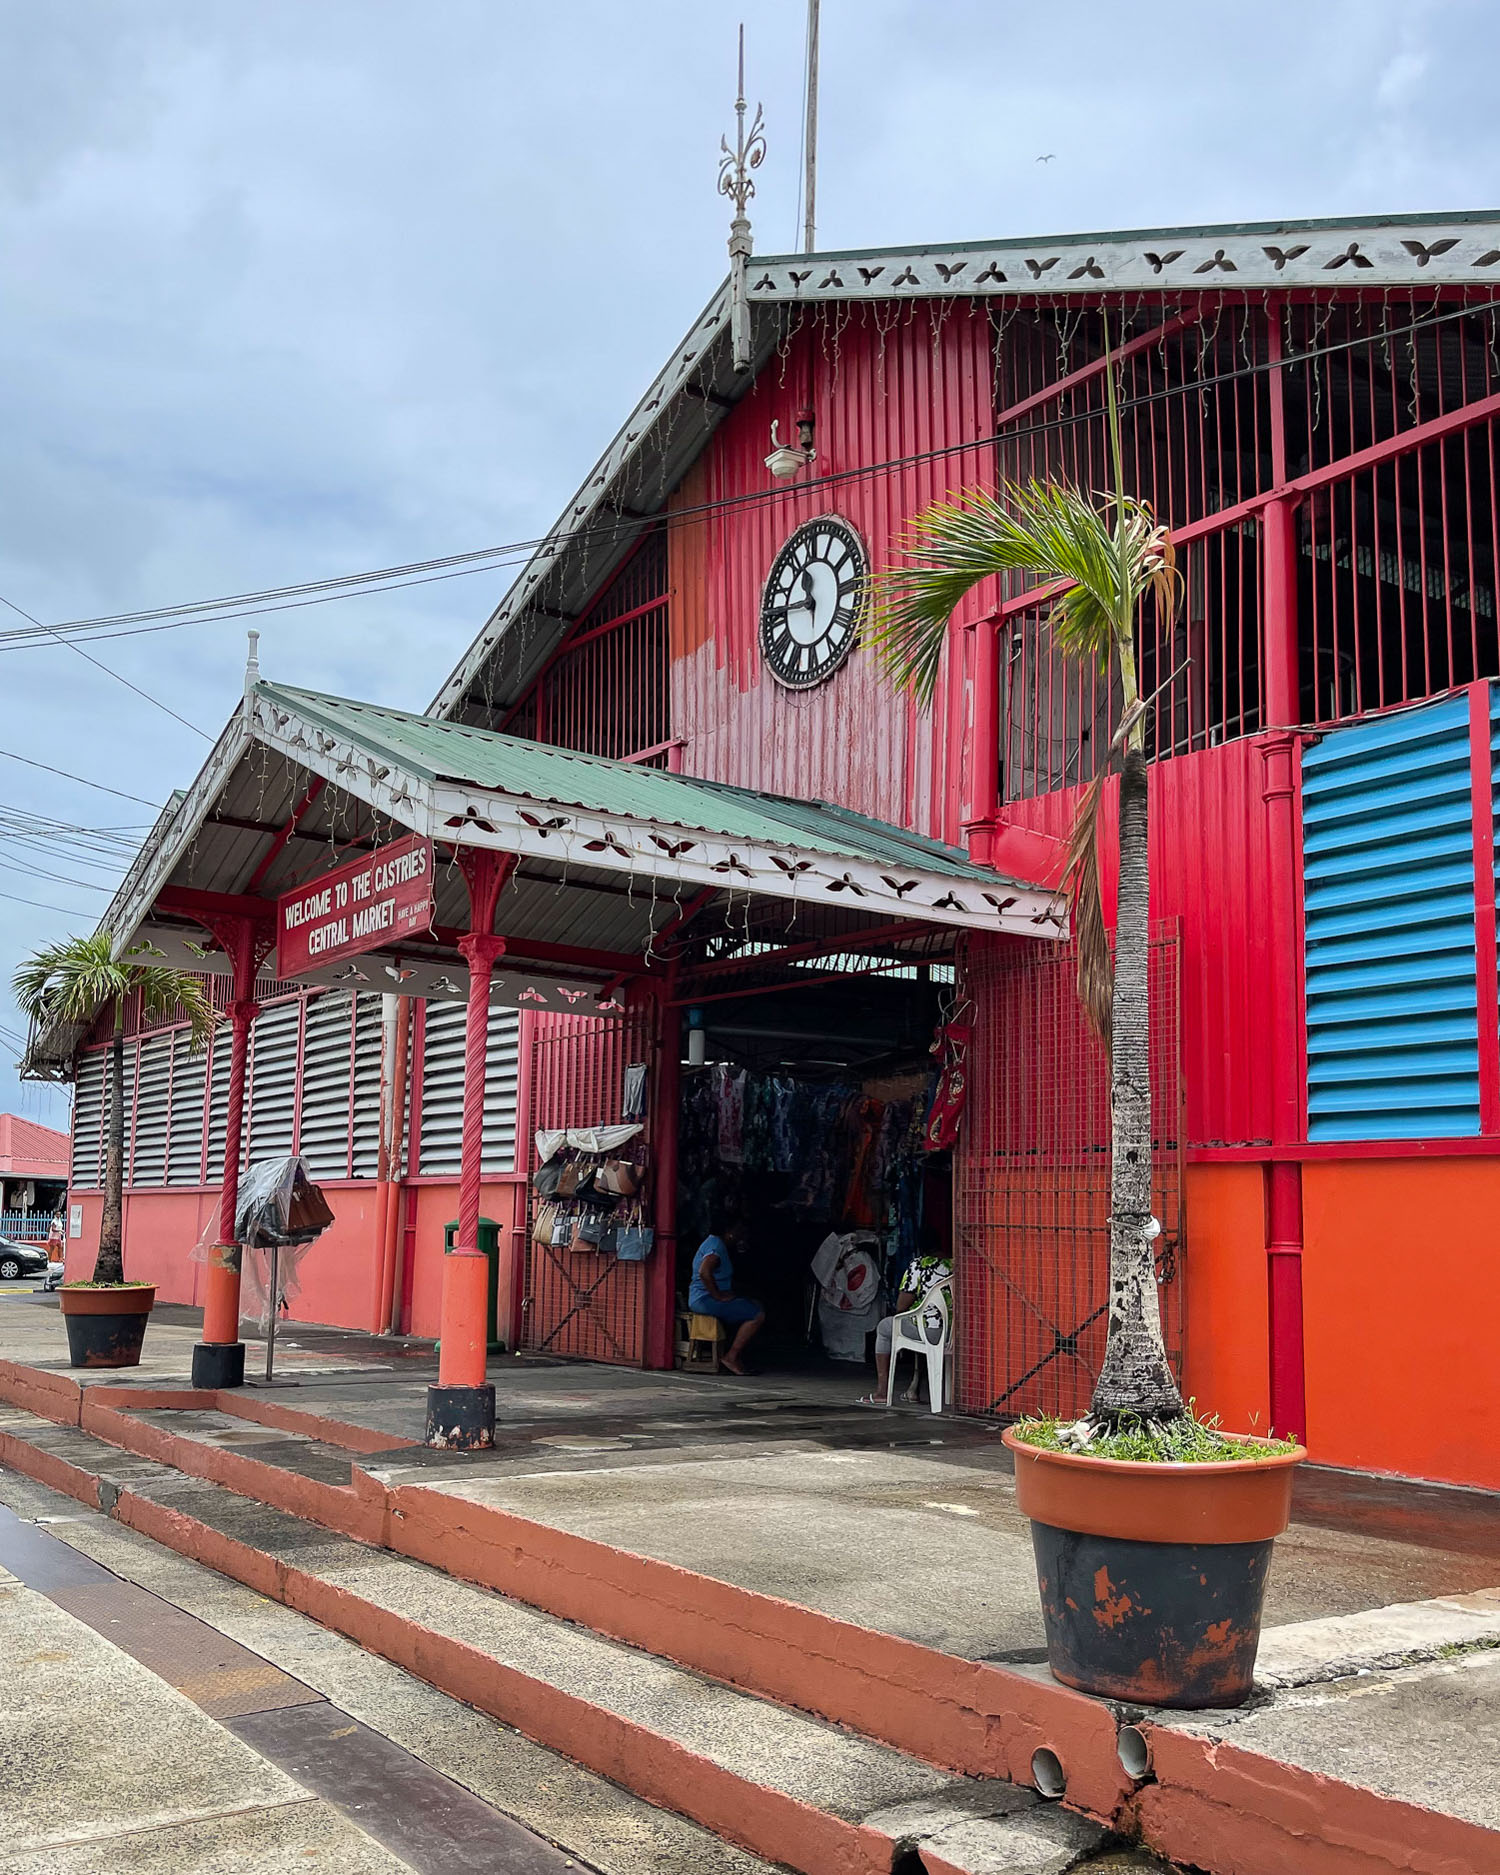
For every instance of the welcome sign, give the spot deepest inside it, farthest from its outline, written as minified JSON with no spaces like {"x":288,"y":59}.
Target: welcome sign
{"x":374,"y":901}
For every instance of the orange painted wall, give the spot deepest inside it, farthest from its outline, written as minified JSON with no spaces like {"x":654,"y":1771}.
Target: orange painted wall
{"x":1400,"y":1297}
{"x":1227,"y":1370}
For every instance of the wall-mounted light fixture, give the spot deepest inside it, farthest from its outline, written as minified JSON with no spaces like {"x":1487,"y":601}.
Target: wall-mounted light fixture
{"x":788,"y":459}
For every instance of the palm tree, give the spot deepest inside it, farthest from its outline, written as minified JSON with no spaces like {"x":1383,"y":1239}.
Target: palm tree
{"x":1109,"y":555}
{"x":71,"y":982}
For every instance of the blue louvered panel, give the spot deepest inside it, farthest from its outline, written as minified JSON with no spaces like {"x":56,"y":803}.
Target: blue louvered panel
{"x":1495,"y":810}
{"x":1392,"y":1028}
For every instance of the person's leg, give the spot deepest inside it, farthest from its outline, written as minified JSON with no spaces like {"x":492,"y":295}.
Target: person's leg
{"x":747,"y":1330}
{"x":882,"y":1362}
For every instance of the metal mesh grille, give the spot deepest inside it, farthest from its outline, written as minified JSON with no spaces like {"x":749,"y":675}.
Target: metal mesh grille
{"x":1032,"y":1181}
{"x":578,"y":1302}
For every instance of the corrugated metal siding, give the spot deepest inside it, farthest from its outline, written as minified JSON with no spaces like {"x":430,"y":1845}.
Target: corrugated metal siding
{"x":1392,"y":1027}
{"x":1209,"y":867}
{"x":882,"y":388}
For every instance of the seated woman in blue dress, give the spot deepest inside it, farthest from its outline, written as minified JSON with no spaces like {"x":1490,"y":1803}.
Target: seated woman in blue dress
{"x":712,"y":1290}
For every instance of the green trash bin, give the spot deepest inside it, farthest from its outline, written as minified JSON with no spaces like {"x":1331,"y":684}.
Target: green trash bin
{"x":489,"y":1244}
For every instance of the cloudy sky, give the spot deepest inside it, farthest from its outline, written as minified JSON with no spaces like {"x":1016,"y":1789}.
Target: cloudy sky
{"x":296,"y":288}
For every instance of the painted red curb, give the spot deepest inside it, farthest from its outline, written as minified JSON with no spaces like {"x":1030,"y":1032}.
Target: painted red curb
{"x":1239,"y":1813}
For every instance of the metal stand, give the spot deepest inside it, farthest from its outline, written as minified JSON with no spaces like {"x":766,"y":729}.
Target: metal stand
{"x":275,"y":1308}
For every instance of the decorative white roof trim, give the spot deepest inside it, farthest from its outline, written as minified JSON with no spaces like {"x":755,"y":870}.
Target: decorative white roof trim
{"x":473,"y":816}
{"x":588,"y":499}
{"x":155,"y":863}
{"x":1377,"y":254}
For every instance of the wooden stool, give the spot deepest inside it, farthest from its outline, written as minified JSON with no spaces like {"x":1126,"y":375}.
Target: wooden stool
{"x":698,"y":1338}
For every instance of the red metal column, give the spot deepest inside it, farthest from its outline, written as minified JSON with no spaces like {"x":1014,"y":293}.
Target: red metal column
{"x":1481,"y":770}
{"x":1281,"y":709}
{"x":461,"y":1407}
{"x":219,"y":1358}
{"x":661,"y":1291}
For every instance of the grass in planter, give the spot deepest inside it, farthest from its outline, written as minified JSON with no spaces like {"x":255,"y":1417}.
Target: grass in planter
{"x":1186,"y":1441}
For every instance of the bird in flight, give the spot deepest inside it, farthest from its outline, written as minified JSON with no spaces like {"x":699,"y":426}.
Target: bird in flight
{"x":1051,"y":157}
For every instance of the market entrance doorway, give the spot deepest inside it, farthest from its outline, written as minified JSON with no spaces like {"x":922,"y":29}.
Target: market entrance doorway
{"x":802,"y":1117}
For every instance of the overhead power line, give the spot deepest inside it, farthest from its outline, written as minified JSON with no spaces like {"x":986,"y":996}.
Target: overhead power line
{"x":52,"y":632}
{"x":488,"y":559}
{"x":68,"y":911}
{"x":83,"y":782}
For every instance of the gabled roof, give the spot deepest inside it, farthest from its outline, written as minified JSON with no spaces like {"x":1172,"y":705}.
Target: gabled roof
{"x":628,"y":488}
{"x":29,"y":1150}
{"x":608,"y":855}
{"x":551,"y":777}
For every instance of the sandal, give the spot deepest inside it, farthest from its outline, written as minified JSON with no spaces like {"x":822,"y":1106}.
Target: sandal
{"x":869,"y":1399}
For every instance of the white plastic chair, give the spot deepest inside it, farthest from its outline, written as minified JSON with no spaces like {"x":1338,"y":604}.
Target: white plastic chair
{"x":925,"y":1330}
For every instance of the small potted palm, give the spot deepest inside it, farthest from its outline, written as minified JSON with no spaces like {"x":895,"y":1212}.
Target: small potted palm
{"x":1152,"y":1528}
{"x":71,"y":982}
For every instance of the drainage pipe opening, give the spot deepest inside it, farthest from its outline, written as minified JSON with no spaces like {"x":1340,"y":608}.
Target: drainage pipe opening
{"x":1047,"y":1773}
{"x":1134,"y":1752}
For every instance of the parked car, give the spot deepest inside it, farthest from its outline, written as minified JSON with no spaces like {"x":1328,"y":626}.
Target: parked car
{"x":22,"y":1259}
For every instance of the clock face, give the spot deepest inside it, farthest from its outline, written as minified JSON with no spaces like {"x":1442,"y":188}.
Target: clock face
{"x":810,"y":611}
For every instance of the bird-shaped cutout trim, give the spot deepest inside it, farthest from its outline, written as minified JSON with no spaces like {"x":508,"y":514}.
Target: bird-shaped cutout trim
{"x":899,"y":886}
{"x":845,"y":883}
{"x":545,"y":827}
{"x":674,"y":849}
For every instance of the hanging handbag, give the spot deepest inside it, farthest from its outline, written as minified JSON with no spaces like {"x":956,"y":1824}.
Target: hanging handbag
{"x":619,"y":1178}
{"x":609,"y":1240}
{"x":587,"y":1230}
{"x":562,"y":1229}
{"x":571,"y":1179}
{"x":541,"y":1229}
{"x":546,"y":1179}
{"x":633,"y":1242}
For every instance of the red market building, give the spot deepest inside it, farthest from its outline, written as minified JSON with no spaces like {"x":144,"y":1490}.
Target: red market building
{"x":668,"y":785}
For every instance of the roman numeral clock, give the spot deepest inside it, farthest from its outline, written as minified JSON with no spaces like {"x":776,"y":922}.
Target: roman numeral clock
{"x":814,"y":597}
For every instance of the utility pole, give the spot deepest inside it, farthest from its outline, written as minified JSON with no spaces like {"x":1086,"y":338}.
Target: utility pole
{"x":810,"y":132}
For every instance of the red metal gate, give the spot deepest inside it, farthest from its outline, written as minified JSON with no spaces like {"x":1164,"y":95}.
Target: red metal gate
{"x":1031,"y":1177}
{"x":578,"y":1302}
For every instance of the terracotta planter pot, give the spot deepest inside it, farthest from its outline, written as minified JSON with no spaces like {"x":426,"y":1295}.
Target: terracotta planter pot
{"x":1152,"y":1577}
{"x":106,"y":1326}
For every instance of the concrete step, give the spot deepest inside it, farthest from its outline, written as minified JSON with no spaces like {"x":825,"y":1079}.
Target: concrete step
{"x":784,"y":1785}
{"x":979,"y":1718}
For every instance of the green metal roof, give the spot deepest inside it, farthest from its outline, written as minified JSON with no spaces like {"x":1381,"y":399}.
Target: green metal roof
{"x":433,"y":750}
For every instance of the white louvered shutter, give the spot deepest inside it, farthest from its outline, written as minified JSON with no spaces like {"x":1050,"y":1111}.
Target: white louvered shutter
{"x":218,"y":1101}
{"x":148,"y":1157}
{"x":324,"y":1136}
{"x":273,"y":1079}
{"x":501,"y":1072}
{"x":365,"y":1131}
{"x":443,"y":1091}
{"x":185,"y":1128}
{"x":88,"y":1122}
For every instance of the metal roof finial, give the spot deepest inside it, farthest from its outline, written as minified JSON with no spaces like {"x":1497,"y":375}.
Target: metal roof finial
{"x":735,"y":182}
{"x":252,"y":661}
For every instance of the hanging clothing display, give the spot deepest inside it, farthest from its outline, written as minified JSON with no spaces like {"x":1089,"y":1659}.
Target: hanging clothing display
{"x":951,"y":1047}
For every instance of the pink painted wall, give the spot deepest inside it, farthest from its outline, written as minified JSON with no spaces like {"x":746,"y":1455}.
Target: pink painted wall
{"x":338,"y":1273}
